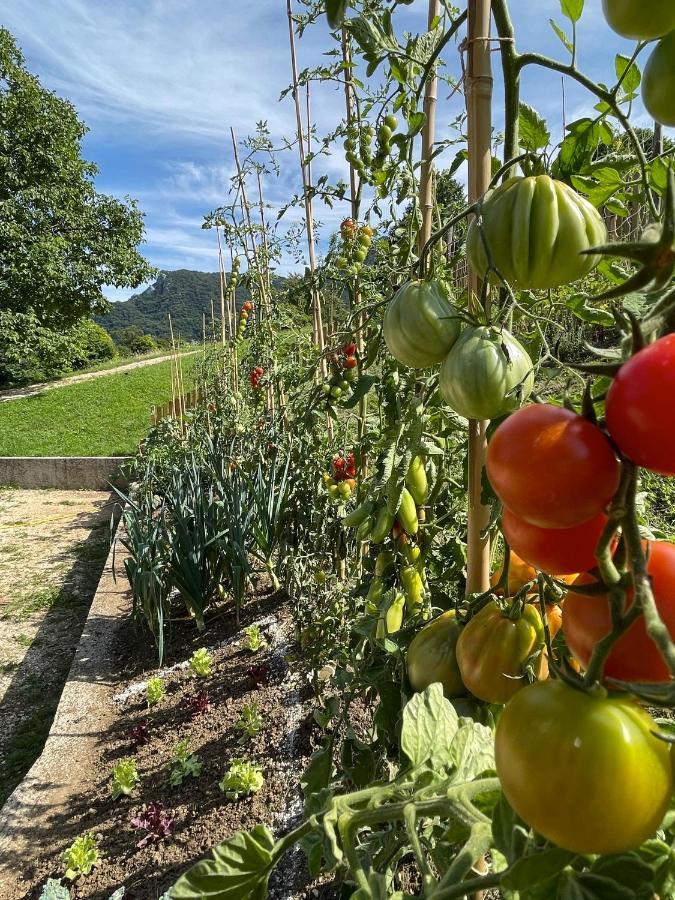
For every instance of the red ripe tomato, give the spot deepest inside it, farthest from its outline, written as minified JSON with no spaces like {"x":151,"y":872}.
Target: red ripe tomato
{"x":349,"y":349}
{"x":338,"y":462}
{"x":634,"y":657}
{"x":350,"y":362}
{"x":248,"y":306}
{"x":638,"y":407}
{"x":348,"y":228}
{"x":552,"y":467}
{"x":556,"y":551}
{"x":260,"y":370}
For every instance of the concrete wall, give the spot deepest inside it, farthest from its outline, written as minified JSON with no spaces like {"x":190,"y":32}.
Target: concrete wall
{"x":93,"y":473}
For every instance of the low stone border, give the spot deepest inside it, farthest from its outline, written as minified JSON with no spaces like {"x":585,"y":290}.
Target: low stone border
{"x":83,"y":712}
{"x":92,"y":473}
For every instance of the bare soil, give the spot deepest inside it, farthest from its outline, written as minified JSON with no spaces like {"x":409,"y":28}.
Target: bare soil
{"x":202,"y":815}
{"x":53,"y":545}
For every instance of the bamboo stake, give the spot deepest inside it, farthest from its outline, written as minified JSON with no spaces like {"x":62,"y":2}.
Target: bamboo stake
{"x":223,"y":289}
{"x":309,"y":217}
{"x":478,"y":89}
{"x":428,"y":137}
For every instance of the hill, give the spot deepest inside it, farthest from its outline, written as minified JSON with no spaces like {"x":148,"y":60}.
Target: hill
{"x":187,"y":295}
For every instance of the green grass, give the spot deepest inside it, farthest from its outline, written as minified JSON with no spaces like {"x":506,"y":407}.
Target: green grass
{"x":106,"y":416}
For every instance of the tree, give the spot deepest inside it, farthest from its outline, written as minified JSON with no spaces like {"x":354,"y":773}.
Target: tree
{"x":60,"y":240}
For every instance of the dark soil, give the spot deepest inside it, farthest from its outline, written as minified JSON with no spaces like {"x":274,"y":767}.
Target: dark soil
{"x":203,"y":817}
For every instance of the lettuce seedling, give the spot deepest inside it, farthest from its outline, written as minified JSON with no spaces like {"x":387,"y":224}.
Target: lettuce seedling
{"x":154,"y":690}
{"x":81,"y":857}
{"x":241,"y":779}
{"x":155,"y":821}
{"x":125,"y":777}
{"x":254,"y":639}
{"x":201,"y":662}
{"x":184,"y":764}
{"x":249,"y":721}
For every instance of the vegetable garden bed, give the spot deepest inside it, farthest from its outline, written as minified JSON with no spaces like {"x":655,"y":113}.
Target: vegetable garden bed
{"x":204,"y":711}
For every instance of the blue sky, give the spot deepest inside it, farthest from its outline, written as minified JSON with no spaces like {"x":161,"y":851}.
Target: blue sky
{"x":159,"y":82}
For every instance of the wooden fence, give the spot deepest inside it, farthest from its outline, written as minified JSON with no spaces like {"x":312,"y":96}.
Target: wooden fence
{"x":177,"y":407}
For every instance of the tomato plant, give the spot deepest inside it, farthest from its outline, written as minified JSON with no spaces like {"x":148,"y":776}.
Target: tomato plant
{"x":639,"y":393}
{"x":531,"y":232}
{"x":634,"y":656}
{"x":556,"y":551}
{"x":486,"y":374}
{"x":551,"y":467}
{"x":608,"y":780}
{"x":494,"y":650}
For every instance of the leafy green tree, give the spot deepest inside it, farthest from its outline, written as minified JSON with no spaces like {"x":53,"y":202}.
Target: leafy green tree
{"x":60,"y":240}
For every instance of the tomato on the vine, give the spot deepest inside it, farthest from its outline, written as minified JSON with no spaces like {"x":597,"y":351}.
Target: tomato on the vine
{"x":552,"y":467}
{"x":584,"y":771}
{"x":634,"y":657}
{"x":486,"y":374}
{"x":421,"y":324}
{"x":535,"y":230}
{"x":556,"y":551}
{"x":431,"y":656}
{"x":658,"y":81}
{"x":638,"y":405}
{"x":493,"y":650}
{"x":637,"y":20}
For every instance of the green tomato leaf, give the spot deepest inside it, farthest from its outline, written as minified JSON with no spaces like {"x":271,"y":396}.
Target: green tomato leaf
{"x":472,"y":751}
{"x":564,"y":40}
{"x":239,"y":869}
{"x":572,"y":9}
{"x":581,"y":309}
{"x":627,"y":73}
{"x":535,"y":869}
{"x":416,"y":123}
{"x":319,"y":770}
{"x":429,"y":726}
{"x":361,"y":388}
{"x":534,"y":133}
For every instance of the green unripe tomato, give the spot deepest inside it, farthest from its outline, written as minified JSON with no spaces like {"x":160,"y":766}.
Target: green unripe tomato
{"x":350,"y":375}
{"x":640,"y":20}
{"x":432,"y":656}
{"x":344,"y":490}
{"x":421,"y":324}
{"x":350,"y":145}
{"x":417,"y":483}
{"x":320,"y":577}
{"x":336,"y":391}
{"x":360,"y":255}
{"x":391,"y":122}
{"x":611,"y":780}
{"x":342,"y":262}
{"x":351,"y":158}
{"x":536,"y":229}
{"x":486,"y":374}
{"x":325,"y":387}
{"x":365,"y":240}
{"x":384,"y":134}
{"x":658,"y":81}
{"x":344,"y":385}
{"x":333,"y":491}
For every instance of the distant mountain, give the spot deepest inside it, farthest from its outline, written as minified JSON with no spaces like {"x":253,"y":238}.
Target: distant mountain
{"x":186,"y":295}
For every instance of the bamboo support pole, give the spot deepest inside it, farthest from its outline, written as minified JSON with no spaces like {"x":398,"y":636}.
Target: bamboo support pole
{"x":426,"y":193}
{"x":223,"y":291}
{"x":478,"y":90}
{"x":306,"y":185}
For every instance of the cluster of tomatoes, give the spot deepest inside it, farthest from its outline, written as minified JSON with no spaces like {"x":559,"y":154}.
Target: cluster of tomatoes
{"x":246,"y":310}
{"x":359,"y":148}
{"x":343,"y":372}
{"x":341,"y":481}
{"x":356,"y":241}
{"x":254,"y":377}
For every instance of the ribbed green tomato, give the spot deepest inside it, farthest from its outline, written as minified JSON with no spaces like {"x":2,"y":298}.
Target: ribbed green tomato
{"x":421,"y":324}
{"x":431,"y":656}
{"x":640,"y":20}
{"x":608,"y":781}
{"x":486,"y":374}
{"x":658,"y":81}
{"x":536,"y":229}
{"x":492,"y":651}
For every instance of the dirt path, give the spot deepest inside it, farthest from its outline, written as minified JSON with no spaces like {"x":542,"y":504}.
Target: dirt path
{"x":33,"y":389}
{"x":53,"y":545}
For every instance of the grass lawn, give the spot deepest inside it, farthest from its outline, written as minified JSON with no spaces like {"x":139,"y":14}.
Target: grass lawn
{"x":105,"y":416}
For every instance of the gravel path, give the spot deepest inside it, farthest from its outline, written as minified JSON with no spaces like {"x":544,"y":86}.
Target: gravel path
{"x":33,"y":389}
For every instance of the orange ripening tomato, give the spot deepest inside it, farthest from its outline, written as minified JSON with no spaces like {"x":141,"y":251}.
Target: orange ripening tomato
{"x":634,"y":657}
{"x":638,"y":407}
{"x":556,"y":551}
{"x":552,"y":467}
{"x":520,"y":574}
